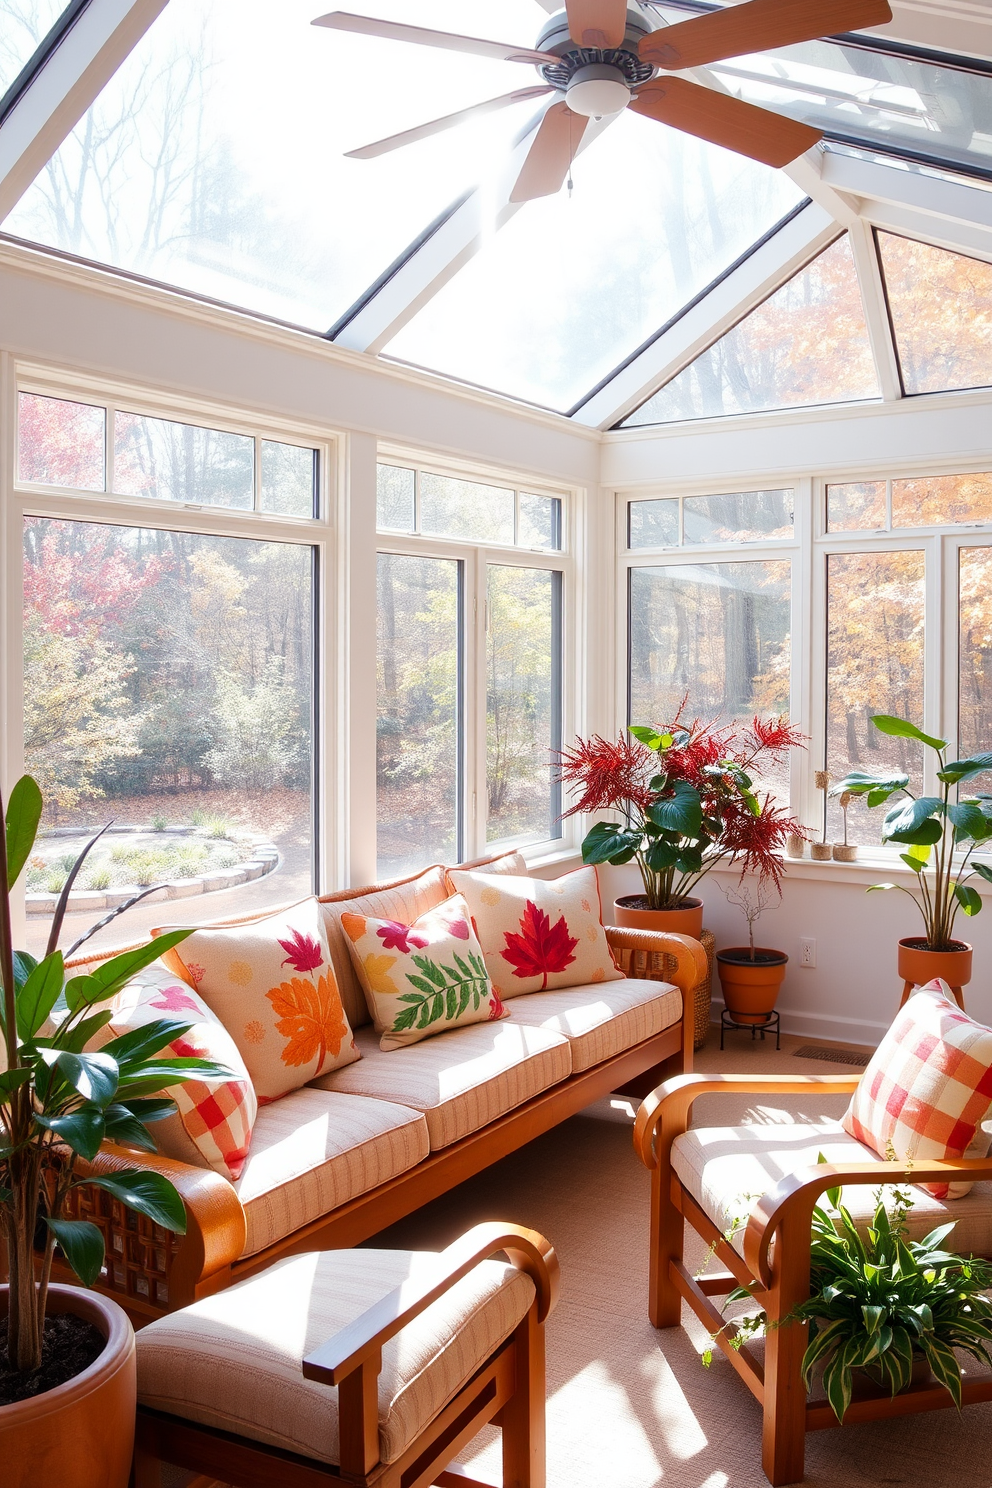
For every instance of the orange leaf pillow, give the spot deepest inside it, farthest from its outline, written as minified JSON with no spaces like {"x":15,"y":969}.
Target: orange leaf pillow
{"x":538,"y":934}
{"x":271,"y":984}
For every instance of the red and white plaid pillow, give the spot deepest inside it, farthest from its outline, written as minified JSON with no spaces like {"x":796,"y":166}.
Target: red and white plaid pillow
{"x":214,"y":1122}
{"x":928,"y":1086}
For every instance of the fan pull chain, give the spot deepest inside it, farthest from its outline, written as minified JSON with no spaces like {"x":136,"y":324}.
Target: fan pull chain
{"x":571,"y":155}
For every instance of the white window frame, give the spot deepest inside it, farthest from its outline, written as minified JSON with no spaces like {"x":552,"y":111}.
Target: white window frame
{"x":809,"y":549}
{"x":319,"y":533}
{"x":475,"y":558}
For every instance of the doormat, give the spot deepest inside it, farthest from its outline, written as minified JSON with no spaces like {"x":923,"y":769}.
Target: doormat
{"x":834,"y":1056}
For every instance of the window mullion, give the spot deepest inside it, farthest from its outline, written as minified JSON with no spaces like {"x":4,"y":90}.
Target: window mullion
{"x":473,"y":718}
{"x":933,"y":643}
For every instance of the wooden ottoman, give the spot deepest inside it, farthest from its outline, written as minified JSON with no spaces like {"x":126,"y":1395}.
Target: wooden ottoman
{"x":355,"y":1366}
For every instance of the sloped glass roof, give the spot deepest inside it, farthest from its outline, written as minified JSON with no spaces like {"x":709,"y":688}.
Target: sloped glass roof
{"x":213,"y":160}
{"x":863,"y":93}
{"x":806,"y":344}
{"x":573,"y":284}
{"x":24,"y":24}
{"x":939,"y":303}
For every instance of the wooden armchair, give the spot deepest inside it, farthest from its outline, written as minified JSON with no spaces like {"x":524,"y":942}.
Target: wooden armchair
{"x":376,"y":1441}
{"x":779,"y":1273}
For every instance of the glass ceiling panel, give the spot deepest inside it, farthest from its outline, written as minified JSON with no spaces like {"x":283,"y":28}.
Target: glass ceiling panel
{"x":572,"y":285}
{"x":940,"y":111}
{"x":807,"y":344}
{"x":939,"y":303}
{"x":213,"y":159}
{"x":24,"y":24}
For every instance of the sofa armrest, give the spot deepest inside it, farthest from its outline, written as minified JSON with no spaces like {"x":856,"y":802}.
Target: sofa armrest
{"x":664,"y":1114}
{"x":691,"y":965}
{"x":788,"y":1207}
{"x":216,"y":1228}
{"x":361,"y":1341}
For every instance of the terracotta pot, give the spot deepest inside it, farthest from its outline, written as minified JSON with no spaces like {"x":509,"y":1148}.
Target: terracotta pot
{"x":81,"y":1434}
{"x":686,"y":920}
{"x":917,"y":965}
{"x":750,"y":988}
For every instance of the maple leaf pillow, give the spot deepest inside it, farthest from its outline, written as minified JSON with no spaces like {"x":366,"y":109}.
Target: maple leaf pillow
{"x":423,"y":978}
{"x":271,"y":984}
{"x":212,"y":1125}
{"x":538,"y":934}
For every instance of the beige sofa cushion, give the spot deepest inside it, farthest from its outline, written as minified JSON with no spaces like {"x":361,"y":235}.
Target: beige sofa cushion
{"x":461,"y":1080}
{"x":314,"y":1150}
{"x":726,"y":1169}
{"x":233,"y":1361}
{"x":404,"y":900}
{"x":603,"y":1018}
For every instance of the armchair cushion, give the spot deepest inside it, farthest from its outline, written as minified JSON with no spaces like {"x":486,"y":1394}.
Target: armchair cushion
{"x":234,"y":1360}
{"x":602,"y":1019}
{"x":727,"y":1169}
{"x":538,"y":934}
{"x":461,"y":1080}
{"x":316,"y":1149}
{"x":928,"y":1086}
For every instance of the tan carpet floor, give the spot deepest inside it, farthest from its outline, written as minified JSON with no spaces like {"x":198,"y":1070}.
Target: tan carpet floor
{"x":630,"y":1406}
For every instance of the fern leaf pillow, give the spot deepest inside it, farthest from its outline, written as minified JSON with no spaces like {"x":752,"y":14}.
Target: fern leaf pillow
{"x":423,"y":978}
{"x":271,"y":983}
{"x":538,"y":934}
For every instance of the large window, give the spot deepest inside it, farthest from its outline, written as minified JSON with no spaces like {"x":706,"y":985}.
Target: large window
{"x":469,"y":672}
{"x":169,"y":662}
{"x":894,"y":618}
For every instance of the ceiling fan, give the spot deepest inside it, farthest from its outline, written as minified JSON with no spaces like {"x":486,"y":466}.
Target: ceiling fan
{"x":598,"y":58}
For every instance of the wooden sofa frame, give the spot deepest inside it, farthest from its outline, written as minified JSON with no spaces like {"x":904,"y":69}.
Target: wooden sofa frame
{"x":151,"y":1272}
{"x":778,"y":1275}
{"x":508,"y":1389}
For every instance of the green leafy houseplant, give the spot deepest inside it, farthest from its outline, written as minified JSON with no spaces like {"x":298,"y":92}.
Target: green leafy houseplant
{"x":58,"y":1102}
{"x":687,"y":799}
{"x":881,"y":1303}
{"x":932,"y":829}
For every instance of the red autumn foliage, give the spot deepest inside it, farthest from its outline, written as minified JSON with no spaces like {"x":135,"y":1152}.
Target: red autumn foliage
{"x":541,"y":947}
{"x":611,"y":775}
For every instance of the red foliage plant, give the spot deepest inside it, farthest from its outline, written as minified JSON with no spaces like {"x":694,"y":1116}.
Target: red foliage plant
{"x":687,"y":799}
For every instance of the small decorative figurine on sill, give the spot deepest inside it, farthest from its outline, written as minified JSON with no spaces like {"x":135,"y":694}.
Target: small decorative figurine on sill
{"x":822,"y":851}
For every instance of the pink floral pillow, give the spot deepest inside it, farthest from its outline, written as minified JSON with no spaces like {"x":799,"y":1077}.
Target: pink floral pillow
{"x":271,"y":984}
{"x":538,"y":934}
{"x":423,"y":978}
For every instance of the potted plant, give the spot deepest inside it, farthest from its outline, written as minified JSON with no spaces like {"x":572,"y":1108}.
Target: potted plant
{"x":686,"y":799}
{"x":885,"y":1312}
{"x":67,"y":1379}
{"x":751,"y":976}
{"x":932,"y":829}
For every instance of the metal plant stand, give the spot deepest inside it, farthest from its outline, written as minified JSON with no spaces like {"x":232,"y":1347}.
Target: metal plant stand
{"x":771,"y":1024}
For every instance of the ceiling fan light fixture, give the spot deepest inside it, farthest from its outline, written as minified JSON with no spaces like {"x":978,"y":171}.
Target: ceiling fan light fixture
{"x":597,"y":91}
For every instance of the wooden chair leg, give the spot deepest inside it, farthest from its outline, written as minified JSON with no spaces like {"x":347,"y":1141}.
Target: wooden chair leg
{"x":783,"y":1437}
{"x":666,"y":1244}
{"x":522,"y":1417}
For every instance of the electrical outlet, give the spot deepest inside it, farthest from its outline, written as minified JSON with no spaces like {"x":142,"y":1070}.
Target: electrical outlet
{"x":807,"y":952}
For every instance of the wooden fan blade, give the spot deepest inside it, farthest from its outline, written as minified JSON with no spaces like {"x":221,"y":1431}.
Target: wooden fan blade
{"x":755,"y":132}
{"x":757,"y":26}
{"x":549,"y":157}
{"x":437,"y":126}
{"x":341,"y":20}
{"x":597,"y":23}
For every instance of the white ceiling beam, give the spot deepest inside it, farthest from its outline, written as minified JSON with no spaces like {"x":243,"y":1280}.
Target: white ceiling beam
{"x":807,"y":172}
{"x":955,"y":211}
{"x":67,"y":83}
{"x":715,"y":313}
{"x":439,"y":257}
{"x":876,"y":311}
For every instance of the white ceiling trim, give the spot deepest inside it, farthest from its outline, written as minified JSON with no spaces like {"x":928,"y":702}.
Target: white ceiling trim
{"x":954,"y":211}
{"x":770,"y":265}
{"x":68,"y":82}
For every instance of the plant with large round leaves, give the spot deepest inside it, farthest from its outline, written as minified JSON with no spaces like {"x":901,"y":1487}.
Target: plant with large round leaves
{"x":59,"y":1102}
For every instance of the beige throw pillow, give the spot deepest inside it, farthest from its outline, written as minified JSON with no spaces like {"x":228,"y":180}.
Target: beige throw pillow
{"x":537,"y":934}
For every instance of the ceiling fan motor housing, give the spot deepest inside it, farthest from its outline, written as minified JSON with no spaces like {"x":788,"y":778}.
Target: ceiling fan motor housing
{"x":596,"y":82}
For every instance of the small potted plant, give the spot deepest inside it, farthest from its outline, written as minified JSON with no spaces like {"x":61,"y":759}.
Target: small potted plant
{"x":751,"y":976}
{"x":884,"y":1311}
{"x":845,"y":852}
{"x":933,"y":829}
{"x":67,"y":1375}
{"x":686,"y":799}
{"x":822,"y":851}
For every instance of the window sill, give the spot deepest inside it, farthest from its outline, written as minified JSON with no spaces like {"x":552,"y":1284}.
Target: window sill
{"x":871,"y":867}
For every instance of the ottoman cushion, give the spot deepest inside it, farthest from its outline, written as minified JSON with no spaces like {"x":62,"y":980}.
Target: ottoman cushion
{"x":234,"y":1361}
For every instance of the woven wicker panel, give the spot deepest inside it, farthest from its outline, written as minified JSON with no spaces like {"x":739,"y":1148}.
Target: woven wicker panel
{"x":704,"y":991}
{"x":139,"y":1254}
